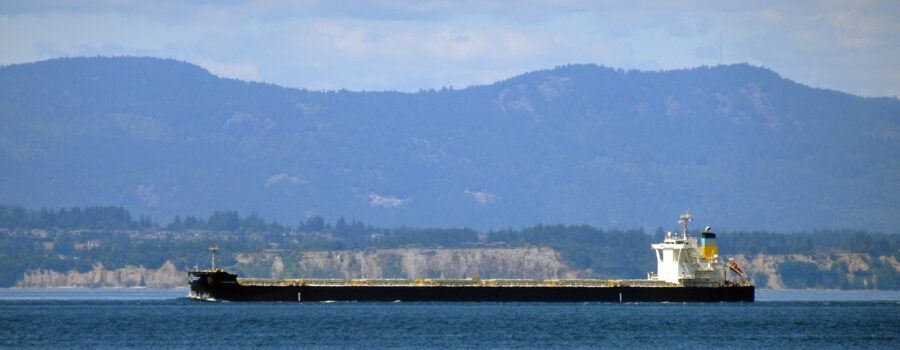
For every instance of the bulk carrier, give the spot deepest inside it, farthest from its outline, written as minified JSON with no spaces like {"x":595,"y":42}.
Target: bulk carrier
{"x":688,"y":270}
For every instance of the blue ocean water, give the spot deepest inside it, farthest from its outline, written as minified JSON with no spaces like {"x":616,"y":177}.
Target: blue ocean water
{"x":167,"y":319}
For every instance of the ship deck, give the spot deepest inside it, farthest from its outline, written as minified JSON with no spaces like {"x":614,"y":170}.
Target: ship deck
{"x":451,"y":283}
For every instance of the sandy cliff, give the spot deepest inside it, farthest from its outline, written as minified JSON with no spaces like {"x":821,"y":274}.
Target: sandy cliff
{"x":167,"y":276}
{"x":824,"y":270}
{"x":534,"y":263}
{"x":853,"y":268}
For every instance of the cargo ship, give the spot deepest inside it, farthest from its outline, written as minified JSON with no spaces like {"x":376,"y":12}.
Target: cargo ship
{"x":688,"y":270}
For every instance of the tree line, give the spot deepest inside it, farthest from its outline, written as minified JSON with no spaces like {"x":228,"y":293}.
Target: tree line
{"x":123,"y":240}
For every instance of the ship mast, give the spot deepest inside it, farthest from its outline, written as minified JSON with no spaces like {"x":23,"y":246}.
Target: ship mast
{"x":683,"y":222}
{"x":213,"y":249}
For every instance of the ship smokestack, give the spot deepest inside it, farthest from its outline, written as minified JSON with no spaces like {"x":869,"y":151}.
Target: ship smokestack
{"x":708,"y":243}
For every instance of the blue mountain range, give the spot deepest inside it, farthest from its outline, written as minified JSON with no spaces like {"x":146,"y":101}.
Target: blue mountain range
{"x":739,"y":145}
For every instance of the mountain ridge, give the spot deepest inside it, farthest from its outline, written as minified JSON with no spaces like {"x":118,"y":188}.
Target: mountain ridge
{"x":739,"y":144}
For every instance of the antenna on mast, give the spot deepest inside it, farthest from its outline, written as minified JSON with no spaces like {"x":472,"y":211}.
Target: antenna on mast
{"x":213,"y":249}
{"x":683,"y":221}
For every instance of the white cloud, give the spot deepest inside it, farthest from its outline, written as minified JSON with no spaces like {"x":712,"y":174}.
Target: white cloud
{"x":482,"y":197}
{"x":376,"y":200}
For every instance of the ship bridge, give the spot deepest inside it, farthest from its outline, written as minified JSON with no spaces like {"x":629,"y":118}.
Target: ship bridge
{"x":684,"y":260}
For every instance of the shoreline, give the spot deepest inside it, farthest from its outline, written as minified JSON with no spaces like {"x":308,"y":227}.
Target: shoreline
{"x":105,"y":289}
{"x":763,"y":296}
{"x":186,"y":287}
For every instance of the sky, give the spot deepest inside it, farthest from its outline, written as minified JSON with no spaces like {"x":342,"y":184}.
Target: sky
{"x":850,"y":46}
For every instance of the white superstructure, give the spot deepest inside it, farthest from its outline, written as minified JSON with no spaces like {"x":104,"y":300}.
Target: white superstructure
{"x":683,"y":260}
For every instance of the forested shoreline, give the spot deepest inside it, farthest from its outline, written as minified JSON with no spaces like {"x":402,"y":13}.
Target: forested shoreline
{"x":80,"y":238}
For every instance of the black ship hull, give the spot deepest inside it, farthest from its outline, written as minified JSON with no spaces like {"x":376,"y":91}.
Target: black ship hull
{"x":223,"y":286}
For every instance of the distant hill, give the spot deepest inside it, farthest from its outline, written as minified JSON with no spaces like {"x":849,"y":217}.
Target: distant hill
{"x":741,"y":146}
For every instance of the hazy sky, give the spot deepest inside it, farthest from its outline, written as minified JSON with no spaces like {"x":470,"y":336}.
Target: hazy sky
{"x":852,"y":46}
